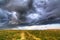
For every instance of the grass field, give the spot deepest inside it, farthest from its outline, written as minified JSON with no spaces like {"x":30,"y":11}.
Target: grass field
{"x":29,"y":34}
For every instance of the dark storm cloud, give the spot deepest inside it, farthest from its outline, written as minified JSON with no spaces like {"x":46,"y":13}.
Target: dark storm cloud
{"x":50,"y":10}
{"x":4,"y":17}
{"x":32,"y":12}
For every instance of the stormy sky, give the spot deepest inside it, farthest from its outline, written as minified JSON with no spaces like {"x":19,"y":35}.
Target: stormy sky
{"x":29,"y":12}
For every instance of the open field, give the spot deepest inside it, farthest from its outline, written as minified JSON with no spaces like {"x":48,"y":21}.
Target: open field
{"x":30,"y":34}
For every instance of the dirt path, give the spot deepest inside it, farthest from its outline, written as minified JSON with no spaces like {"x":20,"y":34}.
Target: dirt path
{"x":23,"y":36}
{"x":34,"y":37}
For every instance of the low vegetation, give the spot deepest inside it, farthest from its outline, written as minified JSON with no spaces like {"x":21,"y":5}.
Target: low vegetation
{"x":29,"y":34}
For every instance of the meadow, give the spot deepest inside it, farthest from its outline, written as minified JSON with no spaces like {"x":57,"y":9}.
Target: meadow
{"x":30,"y":34}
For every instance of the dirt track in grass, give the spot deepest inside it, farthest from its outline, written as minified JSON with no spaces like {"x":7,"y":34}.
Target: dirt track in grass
{"x":29,"y":34}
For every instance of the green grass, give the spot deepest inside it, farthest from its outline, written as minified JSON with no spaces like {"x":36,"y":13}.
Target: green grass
{"x":42,"y":34}
{"x":47,"y":34}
